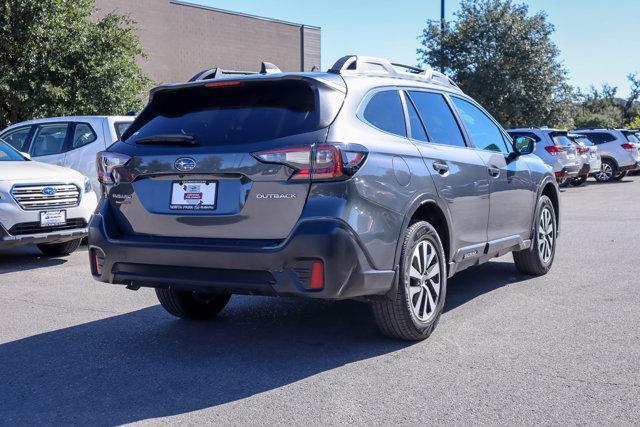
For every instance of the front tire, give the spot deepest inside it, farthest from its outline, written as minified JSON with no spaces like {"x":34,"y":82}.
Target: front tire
{"x":413,"y":311}
{"x":537,"y":260}
{"x":60,"y":249}
{"x":190,"y":304}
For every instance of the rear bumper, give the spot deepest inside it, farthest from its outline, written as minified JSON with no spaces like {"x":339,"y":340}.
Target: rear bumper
{"x":631,"y":167}
{"x":569,"y":171}
{"x":248,"y":267}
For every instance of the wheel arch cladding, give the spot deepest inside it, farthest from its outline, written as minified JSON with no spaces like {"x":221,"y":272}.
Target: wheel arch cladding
{"x":549,"y":190}
{"x":431,"y":213}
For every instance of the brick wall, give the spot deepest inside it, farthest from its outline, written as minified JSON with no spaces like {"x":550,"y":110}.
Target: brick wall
{"x":182,"y":39}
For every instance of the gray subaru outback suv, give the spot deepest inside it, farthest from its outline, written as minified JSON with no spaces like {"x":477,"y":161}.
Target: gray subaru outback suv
{"x":364,"y":182}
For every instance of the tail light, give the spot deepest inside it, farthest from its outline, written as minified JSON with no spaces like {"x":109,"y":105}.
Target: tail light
{"x":317,"y":275}
{"x":554,"y":149}
{"x":629,"y":147}
{"x":583,"y":150}
{"x":317,"y":163}
{"x":106,"y":163}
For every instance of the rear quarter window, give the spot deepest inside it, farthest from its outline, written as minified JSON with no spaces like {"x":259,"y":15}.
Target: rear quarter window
{"x":384,"y":111}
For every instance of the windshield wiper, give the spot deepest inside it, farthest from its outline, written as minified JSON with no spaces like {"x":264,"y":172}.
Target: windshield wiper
{"x":169,"y":139}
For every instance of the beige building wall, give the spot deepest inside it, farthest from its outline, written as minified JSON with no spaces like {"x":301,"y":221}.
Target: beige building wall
{"x":182,"y":39}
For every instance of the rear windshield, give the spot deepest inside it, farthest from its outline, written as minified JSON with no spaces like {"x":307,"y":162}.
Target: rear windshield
{"x":561,"y":139}
{"x":121,"y":127}
{"x":243,"y":113}
{"x":583,"y":140}
{"x":632,"y":138}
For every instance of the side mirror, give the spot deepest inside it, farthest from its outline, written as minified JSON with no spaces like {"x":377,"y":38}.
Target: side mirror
{"x":26,"y":155}
{"x":524,"y":145}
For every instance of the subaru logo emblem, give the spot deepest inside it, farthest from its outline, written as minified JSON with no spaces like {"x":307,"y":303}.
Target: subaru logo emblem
{"x":185,"y":164}
{"x":49,"y":191}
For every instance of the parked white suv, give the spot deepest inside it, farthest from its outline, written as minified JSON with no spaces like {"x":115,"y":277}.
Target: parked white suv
{"x":67,"y":141}
{"x":42,"y":204}
{"x":619,"y":155}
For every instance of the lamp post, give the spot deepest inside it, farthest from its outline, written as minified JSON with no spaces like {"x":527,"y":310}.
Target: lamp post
{"x":441,"y":35}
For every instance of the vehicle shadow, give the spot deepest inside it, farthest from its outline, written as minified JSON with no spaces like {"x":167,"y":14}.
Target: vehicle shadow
{"x":145,"y":364}
{"x":476,"y":281}
{"x":28,"y":258}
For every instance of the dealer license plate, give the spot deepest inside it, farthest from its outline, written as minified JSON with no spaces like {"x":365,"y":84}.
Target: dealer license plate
{"x":193,"y":195}
{"x":53,"y":218}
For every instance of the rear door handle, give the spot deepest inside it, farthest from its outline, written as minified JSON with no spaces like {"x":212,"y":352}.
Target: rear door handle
{"x":440,"y":167}
{"x":494,"y":172}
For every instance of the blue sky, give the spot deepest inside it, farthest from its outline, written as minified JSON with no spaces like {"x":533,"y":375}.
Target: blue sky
{"x":599,"y":40}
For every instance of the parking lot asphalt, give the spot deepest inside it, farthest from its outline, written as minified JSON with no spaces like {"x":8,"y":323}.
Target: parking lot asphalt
{"x":563,"y":348}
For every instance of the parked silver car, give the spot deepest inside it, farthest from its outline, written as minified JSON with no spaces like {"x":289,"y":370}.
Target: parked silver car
{"x":555,"y":149}
{"x":590,"y":159}
{"x":619,"y":156}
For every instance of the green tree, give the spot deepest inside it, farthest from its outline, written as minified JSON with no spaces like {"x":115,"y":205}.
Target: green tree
{"x":56,"y":61}
{"x":505,"y":59}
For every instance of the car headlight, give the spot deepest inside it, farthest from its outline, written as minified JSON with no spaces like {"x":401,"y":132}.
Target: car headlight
{"x":87,"y":185}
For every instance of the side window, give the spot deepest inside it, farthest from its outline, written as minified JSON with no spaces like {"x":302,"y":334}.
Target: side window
{"x":437,"y":117}
{"x":417,"y":130}
{"x":17,"y":138}
{"x":600,"y":137}
{"x":384,"y":111}
{"x":120,"y":127}
{"x":82,"y":135}
{"x":484,"y":133}
{"x":49,"y":139}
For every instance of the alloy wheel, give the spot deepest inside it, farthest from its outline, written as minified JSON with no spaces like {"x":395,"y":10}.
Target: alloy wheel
{"x":424,"y":281}
{"x":546,"y":235}
{"x":606,"y":172}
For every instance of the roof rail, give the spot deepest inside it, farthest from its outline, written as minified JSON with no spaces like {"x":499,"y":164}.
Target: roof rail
{"x":218,"y":73}
{"x":368,"y":65}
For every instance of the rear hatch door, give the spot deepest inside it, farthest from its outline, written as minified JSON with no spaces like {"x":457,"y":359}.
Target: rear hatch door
{"x":192,"y":173}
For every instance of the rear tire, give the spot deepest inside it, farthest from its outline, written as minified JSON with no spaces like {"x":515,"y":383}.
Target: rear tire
{"x":413,"y":311}
{"x":577,"y":182}
{"x":564,"y":183}
{"x":620,"y":175}
{"x":538,"y":259}
{"x":59,"y":249}
{"x":607,"y":172}
{"x":190,"y":304}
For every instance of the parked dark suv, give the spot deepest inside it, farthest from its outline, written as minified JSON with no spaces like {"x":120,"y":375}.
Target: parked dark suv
{"x":362,"y":182}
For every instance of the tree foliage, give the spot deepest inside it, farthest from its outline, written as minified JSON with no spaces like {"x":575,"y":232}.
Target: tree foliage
{"x":55,"y":61}
{"x":603,"y":108}
{"x":505,"y":59}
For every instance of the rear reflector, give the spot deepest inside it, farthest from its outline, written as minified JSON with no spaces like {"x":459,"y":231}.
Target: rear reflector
{"x":317,"y":275}
{"x":96,"y":258}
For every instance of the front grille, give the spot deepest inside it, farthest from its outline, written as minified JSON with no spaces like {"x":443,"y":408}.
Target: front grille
{"x":34,"y":227}
{"x":31,"y":197}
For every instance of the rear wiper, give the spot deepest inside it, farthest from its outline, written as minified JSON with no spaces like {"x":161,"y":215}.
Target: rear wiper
{"x":169,"y":139}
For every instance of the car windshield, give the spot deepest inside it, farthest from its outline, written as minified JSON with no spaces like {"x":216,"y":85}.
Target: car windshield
{"x":9,"y":154}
